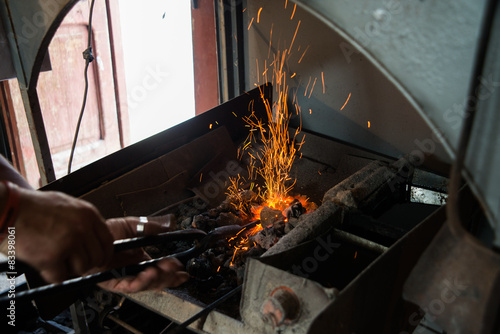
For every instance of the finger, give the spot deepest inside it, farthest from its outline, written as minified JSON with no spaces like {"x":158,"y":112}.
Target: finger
{"x":152,"y":225}
{"x":94,"y":249}
{"x":128,"y":257}
{"x":145,"y":279}
{"x":119,"y":285}
{"x":79,"y":261}
{"x":170,"y":264}
{"x":56,"y":273}
{"x":104,"y":243}
{"x":171,"y":281}
{"x":171,"y":273}
{"x":156,"y":278}
{"x":166,"y":223}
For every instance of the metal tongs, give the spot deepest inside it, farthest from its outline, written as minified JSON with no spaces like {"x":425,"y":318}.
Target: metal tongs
{"x":203,"y":241}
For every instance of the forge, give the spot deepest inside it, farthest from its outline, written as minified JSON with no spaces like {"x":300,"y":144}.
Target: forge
{"x":327,"y":157}
{"x":313,"y":256}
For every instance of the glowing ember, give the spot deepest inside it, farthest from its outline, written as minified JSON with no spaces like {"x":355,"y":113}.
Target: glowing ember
{"x":242,"y":243}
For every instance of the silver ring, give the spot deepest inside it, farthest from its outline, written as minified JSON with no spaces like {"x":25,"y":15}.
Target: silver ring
{"x":140,"y":226}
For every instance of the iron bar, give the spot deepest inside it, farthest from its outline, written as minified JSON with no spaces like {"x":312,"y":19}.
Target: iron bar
{"x":202,"y":313}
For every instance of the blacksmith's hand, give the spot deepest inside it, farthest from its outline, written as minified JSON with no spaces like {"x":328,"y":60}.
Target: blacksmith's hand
{"x":59,"y":235}
{"x":166,"y":273}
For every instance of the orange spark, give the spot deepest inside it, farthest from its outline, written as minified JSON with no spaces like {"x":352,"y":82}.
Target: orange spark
{"x":270,"y":39}
{"x":323,"y":81}
{"x":314,"y":83}
{"x":265,"y":72}
{"x":293,"y":39}
{"x":258,"y":14}
{"x":273,"y":158}
{"x":303,"y":54}
{"x":258,"y":74}
{"x":345,"y":103}
{"x":307,"y":87}
{"x":310,"y":111}
{"x":210,"y":126}
{"x":293,"y":13}
{"x":369,"y":124}
{"x":286,"y":2}
{"x":251,"y":21}
{"x":356,"y":254}
{"x":201,"y":176}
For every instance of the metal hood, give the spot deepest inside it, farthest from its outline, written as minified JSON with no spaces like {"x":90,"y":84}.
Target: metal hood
{"x":427,"y":51}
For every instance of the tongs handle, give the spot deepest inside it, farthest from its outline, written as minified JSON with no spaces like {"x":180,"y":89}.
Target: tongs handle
{"x":124,"y":244}
{"x":130,"y":270}
{"x":181,"y":235}
{"x":90,"y":280}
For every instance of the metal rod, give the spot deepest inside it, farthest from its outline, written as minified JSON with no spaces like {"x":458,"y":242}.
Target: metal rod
{"x":123,"y":324}
{"x":181,"y":235}
{"x":130,"y":270}
{"x":203,"y":312}
{"x":359,"y":241}
{"x":80,"y":283}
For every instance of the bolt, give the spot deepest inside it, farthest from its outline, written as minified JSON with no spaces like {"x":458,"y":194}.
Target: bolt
{"x":281,"y":308}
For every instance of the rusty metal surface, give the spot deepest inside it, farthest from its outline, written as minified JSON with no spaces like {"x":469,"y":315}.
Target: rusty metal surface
{"x":169,"y":179}
{"x":457,"y":279}
{"x":276,"y":300}
{"x":372,"y":302}
{"x":371,"y":190}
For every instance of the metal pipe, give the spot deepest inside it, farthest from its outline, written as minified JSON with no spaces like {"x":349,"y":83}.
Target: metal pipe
{"x":123,"y":324}
{"x":359,"y":241}
{"x":203,"y":312}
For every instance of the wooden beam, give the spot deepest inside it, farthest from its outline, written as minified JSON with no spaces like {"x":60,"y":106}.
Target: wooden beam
{"x":117,"y":61}
{"x":205,"y":56}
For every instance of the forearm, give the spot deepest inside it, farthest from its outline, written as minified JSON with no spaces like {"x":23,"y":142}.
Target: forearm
{"x":8,"y":173}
